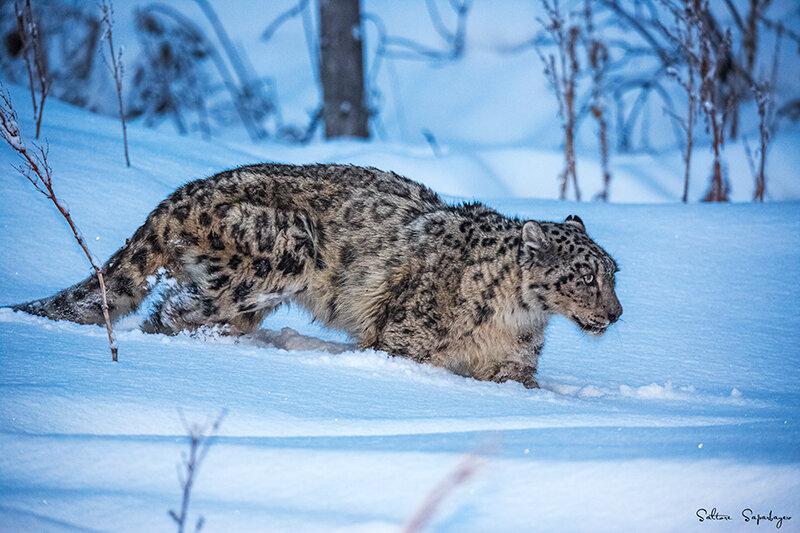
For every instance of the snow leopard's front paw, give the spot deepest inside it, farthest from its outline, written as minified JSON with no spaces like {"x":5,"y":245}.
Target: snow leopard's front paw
{"x":514,"y":371}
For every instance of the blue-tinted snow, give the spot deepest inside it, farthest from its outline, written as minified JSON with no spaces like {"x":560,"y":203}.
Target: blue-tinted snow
{"x":690,"y":401}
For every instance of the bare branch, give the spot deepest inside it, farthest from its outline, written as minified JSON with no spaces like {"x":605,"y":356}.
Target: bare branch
{"x":737,"y":18}
{"x":764,"y":101}
{"x":780,"y":27}
{"x":116,"y":69}
{"x":249,"y":88}
{"x":687,"y":34}
{"x":598,"y":63}
{"x":287,"y":15}
{"x":26,"y":51}
{"x":562,"y":77}
{"x":145,"y":17}
{"x":35,"y":61}
{"x":712,"y":55}
{"x":462,"y":473}
{"x":666,"y":57}
{"x":35,"y":169}
{"x":200,"y":438}
{"x":404,"y":48}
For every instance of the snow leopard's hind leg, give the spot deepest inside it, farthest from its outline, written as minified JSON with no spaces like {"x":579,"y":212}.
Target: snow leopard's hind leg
{"x":185,"y":307}
{"x":249,"y":261}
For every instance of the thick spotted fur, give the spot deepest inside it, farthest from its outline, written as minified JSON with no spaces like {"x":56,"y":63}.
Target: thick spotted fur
{"x":368,"y":252}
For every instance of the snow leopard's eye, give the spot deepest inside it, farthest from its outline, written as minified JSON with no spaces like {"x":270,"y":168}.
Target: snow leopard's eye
{"x":588,"y":279}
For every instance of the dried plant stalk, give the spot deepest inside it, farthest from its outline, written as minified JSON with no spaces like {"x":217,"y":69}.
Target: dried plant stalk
{"x":199,"y":441}
{"x":562,"y":77}
{"x":712,"y":60}
{"x":35,"y":61}
{"x":116,"y":71}
{"x":763,"y":97}
{"x":36,"y":170}
{"x":459,"y":476}
{"x":598,"y":62}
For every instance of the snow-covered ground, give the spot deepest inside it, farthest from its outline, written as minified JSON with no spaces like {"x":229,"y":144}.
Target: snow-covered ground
{"x":690,"y":402}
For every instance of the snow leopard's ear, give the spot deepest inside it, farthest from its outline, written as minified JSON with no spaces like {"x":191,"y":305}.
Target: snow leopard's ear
{"x":535,"y":244}
{"x":576,"y":221}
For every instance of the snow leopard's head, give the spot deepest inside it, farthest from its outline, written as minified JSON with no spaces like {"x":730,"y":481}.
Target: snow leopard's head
{"x":567,"y":273}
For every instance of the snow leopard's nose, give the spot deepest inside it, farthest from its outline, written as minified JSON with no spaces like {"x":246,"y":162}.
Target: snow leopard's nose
{"x":614,"y":312}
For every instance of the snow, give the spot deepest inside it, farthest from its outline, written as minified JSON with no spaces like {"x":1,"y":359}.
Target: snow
{"x":690,"y":402}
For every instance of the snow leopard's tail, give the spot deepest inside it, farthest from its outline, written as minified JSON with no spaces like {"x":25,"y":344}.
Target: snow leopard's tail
{"x":125,"y":277}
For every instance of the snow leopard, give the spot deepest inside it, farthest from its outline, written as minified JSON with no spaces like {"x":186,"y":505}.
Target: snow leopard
{"x":368,"y":252}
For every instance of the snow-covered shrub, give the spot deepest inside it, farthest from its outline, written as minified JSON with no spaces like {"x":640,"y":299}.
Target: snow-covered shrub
{"x":68,"y":36}
{"x":562,"y":70}
{"x":171,"y":77}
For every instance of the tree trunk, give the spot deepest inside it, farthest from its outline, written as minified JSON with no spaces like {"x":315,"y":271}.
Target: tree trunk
{"x":342,"y":69}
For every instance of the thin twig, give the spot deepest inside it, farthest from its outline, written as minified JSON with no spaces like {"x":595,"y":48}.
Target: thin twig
{"x":598,"y":61}
{"x":26,"y":52}
{"x":287,"y":15}
{"x":200,"y":438}
{"x":39,"y":63}
{"x":686,"y":36}
{"x":711,"y":56}
{"x":246,"y":85}
{"x":228,"y":81}
{"x":36,"y":169}
{"x":764,"y":97}
{"x":116,"y":70}
{"x":562,"y":76}
{"x":28,"y":28}
{"x":459,"y":476}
